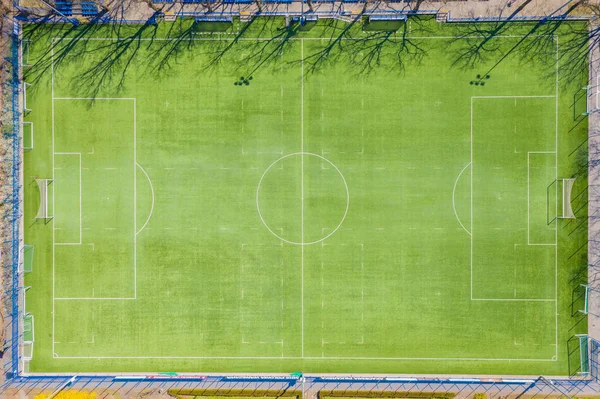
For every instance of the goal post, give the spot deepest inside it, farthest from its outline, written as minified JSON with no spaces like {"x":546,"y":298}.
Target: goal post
{"x":45,"y":210}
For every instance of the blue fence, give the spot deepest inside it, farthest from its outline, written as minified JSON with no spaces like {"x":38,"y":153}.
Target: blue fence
{"x":310,"y":385}
{"x":18,"y":382}
{"x":13,"y":214}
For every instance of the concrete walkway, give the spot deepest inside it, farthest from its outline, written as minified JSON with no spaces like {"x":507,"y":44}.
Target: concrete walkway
{"x":141,"y":10}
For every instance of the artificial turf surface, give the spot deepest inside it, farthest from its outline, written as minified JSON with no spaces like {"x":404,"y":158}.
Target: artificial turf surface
{"x":340,"y":211}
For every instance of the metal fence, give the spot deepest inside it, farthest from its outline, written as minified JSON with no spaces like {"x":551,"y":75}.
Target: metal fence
{"x":18,"y":383}
{"x":11,"y":166}
{"x":304,"y":386}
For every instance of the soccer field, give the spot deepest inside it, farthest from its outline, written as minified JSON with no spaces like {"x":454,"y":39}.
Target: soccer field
{"x":322,"y":215}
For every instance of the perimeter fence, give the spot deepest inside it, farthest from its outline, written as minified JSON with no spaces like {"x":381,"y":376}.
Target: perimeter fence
{"x":19,"y":383}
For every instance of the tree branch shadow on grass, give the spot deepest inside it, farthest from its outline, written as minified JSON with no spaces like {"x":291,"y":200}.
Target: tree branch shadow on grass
{"x":77,"y":44}
{"x":371,"y":51}
{"x":536,"y":44}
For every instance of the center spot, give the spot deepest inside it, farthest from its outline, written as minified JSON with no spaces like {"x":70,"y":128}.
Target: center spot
{"x":302,"y":198}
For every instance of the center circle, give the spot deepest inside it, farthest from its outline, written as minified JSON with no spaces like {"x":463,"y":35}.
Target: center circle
{"x":302,"y":198}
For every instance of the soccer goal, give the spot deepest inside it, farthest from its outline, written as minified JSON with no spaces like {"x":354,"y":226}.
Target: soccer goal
{"x":45,"y":210}
{"x":586,"y":297}
{"x":27,"y":258}
{"x":28,"y":341}
{"x":584,"y":355}
{"x":592,"y":101}
{"x":27,"y":136}
{"x":25,"y":86}
{"x":565,"y":187}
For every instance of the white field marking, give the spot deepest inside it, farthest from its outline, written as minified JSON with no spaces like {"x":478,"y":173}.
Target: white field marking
{"x":152,"y":192}
{"x":555,"y":96}
{"x":515,"y":299}
{"x":94,"y":299}
{"x":80,"y":198}
{"x":92,"y":98}
{"x":515,"y":97}
{"x":453,"y":203}
{"x":553,"y":359}
{"x":528,"y":198}
{"x":53,"y":231}
{"x":316,"y":358}
{"x":556,"y":189}
{"x":311,"y":242}
{"x":302,"y":183}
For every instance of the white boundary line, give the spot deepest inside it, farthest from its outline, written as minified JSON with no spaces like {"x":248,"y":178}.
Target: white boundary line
{"x":53,"y":230}
{"x":303,"y":357}
{"x":529,"y":195}
{"x":470,"y":359}
{"x":302,"y":183}
{"x":556,"y":232}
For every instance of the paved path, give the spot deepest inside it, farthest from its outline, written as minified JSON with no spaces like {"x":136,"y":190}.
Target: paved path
{"x":141,"y":10}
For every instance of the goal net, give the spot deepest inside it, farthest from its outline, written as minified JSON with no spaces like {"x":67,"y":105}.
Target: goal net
{"x":586,"y":298}
{"x":44,"y":211}
{"x":27,"y":258}
{"x":28,"y":341}
{"x":27,"y":135}
{"x":24,"y":89}
{"x":592,"y":101}
{"x":584,"y":355}
{"x":565,"y":188}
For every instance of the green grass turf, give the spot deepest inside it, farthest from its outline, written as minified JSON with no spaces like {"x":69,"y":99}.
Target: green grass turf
{"x":180,"y":200}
